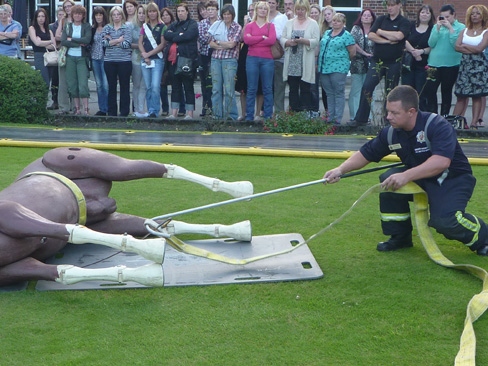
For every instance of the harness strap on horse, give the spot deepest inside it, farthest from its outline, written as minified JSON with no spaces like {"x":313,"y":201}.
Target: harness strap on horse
{"x":80,"y":198}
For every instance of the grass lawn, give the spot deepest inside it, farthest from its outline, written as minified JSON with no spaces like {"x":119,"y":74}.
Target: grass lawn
{"x":370,"y":308}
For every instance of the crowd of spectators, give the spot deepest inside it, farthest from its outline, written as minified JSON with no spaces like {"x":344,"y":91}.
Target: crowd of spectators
{"x":144,"y":44}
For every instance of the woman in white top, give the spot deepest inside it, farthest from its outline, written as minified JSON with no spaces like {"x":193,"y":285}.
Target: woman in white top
{"x":471,"y":81}
{"x":63,"y":98}
{"x":300,"y":38}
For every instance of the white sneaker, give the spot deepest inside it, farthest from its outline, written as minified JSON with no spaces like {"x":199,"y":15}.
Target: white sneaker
{"x":188,"y":117}
{"x":141,"y":115}
{"x":171,"y":117}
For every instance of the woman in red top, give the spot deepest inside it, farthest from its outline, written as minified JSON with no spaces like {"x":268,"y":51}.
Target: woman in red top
{"x":260,"y":35}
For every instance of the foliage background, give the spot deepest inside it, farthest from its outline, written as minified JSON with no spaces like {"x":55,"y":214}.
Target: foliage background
{"x":23,"y":93}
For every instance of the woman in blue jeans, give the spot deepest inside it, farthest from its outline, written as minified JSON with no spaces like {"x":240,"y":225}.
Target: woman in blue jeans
{"x":337,"y":49}
{"x":225,"y":38}
{"x":260,"y":35}
{"x":99,"y":20}
{"x":151,"y":44}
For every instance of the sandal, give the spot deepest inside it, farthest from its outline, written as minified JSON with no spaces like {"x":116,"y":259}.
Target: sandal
{"x":480,"y":123}
{"x":77,"y":111}
{"x":473,"y":127}
{"x":86,"y":112}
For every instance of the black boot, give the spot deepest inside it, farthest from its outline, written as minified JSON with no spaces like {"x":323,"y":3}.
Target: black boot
{"x":482,"y":250}
{"x":395,"y":242}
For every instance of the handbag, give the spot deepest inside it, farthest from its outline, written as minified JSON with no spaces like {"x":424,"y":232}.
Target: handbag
{"x":7,"y":41}
{"x":63,"y":50}
{"x":62,"y":56}
{"x":51,"y":57}
{"x":184,"y":66}
{"x":276,"y":50}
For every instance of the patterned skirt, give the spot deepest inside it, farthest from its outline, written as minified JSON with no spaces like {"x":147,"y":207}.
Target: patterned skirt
{"x":472,"y":79}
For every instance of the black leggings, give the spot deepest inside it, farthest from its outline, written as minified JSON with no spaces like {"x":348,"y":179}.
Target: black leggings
{"x":446,"y":78}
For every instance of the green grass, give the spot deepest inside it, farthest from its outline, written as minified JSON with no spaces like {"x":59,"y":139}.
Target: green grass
{"x":370,"y":308}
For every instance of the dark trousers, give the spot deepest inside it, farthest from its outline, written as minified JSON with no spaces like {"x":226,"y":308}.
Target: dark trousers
{"x":447,"y":205}
{"x":54,"y":75}
{"x":206,"y":82}
{"x":300,"y":96}
{"x":446,"y":78}
{"x":118,"y":72}
{"x":182,"y":84}
{"x":165,"y":103}
{"x":391,"y":72}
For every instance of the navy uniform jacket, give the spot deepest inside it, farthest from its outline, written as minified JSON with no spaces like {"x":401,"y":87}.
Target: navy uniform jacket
{"x":412,"y":148}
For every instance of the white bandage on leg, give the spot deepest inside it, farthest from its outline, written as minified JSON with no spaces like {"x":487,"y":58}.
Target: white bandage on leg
{"x":240,"y":231}
{"x":152,"y":249}
{"x":148,"y":275}
{"x":235,"y":189}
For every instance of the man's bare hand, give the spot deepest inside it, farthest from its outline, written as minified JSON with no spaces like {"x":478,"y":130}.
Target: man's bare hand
{"x":333,"y":176}
{"x":394,"y":182}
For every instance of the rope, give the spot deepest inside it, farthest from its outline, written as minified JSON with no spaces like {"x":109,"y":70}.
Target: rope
{"x":476,"y":306}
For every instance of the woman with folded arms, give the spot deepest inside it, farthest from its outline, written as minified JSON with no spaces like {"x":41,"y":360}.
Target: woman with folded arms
{"x":117,"y":39}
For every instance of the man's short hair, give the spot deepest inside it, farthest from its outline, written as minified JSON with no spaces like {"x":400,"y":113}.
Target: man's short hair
{"x":447,"y":7}
{"x":405,"y":94}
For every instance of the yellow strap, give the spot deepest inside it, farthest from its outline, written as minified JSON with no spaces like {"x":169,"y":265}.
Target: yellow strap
{"x":80,"y":198}
{"x":477,"y":305}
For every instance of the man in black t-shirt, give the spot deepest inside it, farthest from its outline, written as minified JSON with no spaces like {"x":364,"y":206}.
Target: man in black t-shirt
{"x":427,"y":145}
{"x":389,"y":33}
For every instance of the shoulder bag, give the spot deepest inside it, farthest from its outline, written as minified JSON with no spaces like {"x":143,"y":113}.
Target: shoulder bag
{"x":184,"y":66}
{"x":276,"y":50}
{"x":7,"y":41}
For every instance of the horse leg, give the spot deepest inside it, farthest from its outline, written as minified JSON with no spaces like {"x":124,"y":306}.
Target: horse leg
{"x":235,"y":189}
{"x":77,"y":163}
{"x":152,"y":249}
{"x":148,"y":275}
{"x":27,"y":269}
{"x":24,"y":233}
{"x":240,"y":231}
{"x":30,"y":269}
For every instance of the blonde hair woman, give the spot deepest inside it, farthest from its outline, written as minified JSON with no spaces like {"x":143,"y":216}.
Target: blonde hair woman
{"x":300,"y":38}
{"x":260,"y":35}
{"x":63,"y":98}
{"x":151,"y":44}
{"x":117,"y":39}
{"x":326,"y":16}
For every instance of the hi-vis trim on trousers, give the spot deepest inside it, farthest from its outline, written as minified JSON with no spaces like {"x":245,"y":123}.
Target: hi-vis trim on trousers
{"x":395,"y":216}
{"x":471,"y":226}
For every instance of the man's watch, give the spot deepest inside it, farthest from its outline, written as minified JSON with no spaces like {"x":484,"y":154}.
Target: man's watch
{"x":218,"y":42}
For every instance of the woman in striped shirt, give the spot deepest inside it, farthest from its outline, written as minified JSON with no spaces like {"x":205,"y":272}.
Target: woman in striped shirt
{"x":117,"y":39}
